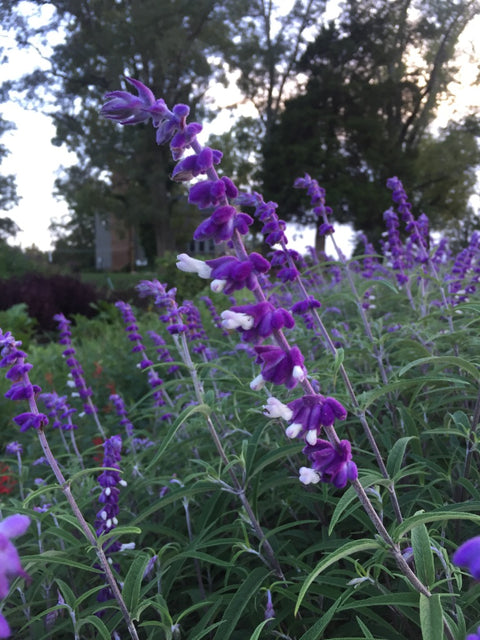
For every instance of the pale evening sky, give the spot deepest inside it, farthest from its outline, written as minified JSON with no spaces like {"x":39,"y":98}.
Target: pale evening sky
{"x":36,"y":162}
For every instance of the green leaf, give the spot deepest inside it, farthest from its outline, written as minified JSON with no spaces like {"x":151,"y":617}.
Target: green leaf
{"x":366,"y":631}
{"x":204,"y":557}
{"x":447,"y":361}
{"x":98,"y":624}
{"x":60,"y":557}
{"x":433,"y":516}
{"x":396,"y":455}
{"x":176,"y":493}
{"x":192,"y":608}
{"x":349,"y":496}
{"x":321,"y":624}
{"x":431,"y":617}
{"x":258,"y":629}
{"x":133,"y":583}
{"x":339,"y":357}
{"x":183,"y":417}
{"x":67,"y":593}
{"x":121,"y":530}
{"x":38,"y":492}
{"x":282,"y":453}
{"x":423,"y":554}
{"x":89,"y":593}
{"x":208,"y":630}
{"x":90,"y":471}
{"x":248,"y":588}
{"x":344,"y":551}
{"x":396,"y":599}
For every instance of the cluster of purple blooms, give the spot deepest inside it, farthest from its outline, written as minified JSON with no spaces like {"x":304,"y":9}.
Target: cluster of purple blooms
{"x":109,"y":481}
{"x":122,"y":413}
{"x":59,"y":411}
{"x":317,"y":199}
{"x":13,"y":358}
{"x":145,"y":363}
{"x":465,"y":274}
{"x":280,"y":363}
{"x":76,"y":370}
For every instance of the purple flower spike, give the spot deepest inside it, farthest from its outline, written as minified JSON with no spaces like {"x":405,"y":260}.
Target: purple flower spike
{"x":192,"y":166}
{"x":306,"y":305}
{"x":127,"y":108}
{"x":269,"y":610}
{"x":21,"y":388}
{"x":31,"y":420}
{"x":468,"y":556}
{"x":331,"y":463}
{"x":219,"y":226}
{"x":14,"y":448}
{"x":312,"y":412}
{"x":109,"y":481}
{"x":231,"y":274}
{"x":122,"y":413}
{"x":181,"y":141}
{"x":257,"y":321}
{"x":274,"y":229}
{"x":279,"y":366}
{"x":212,"y":193}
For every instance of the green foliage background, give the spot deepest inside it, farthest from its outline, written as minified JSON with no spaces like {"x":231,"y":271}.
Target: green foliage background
{"x":210,"y":577}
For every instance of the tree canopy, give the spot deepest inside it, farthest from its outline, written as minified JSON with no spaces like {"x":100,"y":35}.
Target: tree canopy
{"x":374,"y":81}
{"x":350,"y":101}
{"x":8,"y":190}
{"x":176,"y":48}
{"x":173,"y":47}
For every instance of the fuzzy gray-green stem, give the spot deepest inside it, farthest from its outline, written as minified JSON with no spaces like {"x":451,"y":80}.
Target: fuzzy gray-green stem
{"x":92,"y":539}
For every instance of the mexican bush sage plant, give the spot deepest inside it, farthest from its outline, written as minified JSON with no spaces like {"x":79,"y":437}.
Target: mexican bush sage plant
{"x":280,"y":363}
{"x":303,"y":467}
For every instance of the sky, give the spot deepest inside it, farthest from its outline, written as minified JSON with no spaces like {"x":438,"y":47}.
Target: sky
{"x":36,"y":162}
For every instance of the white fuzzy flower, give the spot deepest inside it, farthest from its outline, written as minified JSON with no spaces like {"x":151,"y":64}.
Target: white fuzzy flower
{"x":276,"y":409}
{"x":217,"y":286}
{"x":233,"y":320}
{"x":293,"y":430}
{"x":192,"y":265}
{"x":298,"y":373}
{"x":308,"y":476}
{"x":257,"y":383}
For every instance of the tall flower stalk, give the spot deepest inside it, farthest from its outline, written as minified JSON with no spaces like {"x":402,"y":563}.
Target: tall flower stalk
{"x":178,"y":330}
{"x":280,"y":363}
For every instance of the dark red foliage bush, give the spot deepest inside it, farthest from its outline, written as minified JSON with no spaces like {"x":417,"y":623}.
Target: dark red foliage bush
{"x":47,"y":295}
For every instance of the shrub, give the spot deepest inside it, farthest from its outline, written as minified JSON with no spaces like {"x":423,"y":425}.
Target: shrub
{"x":47,"y":295}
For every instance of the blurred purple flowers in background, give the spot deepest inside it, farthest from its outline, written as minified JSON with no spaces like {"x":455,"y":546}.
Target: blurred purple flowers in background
{"x":109,"y":481}
{"x":468,"y":556}
{"x":474,"y":636}
{"x":21,"y":389}
{"x":10,"y":565}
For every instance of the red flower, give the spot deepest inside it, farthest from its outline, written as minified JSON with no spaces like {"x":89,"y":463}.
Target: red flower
{"x":7,"y":482}
{"x":98,"y":442}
